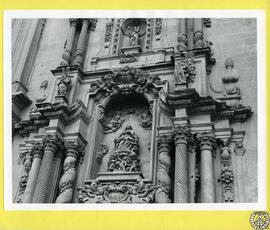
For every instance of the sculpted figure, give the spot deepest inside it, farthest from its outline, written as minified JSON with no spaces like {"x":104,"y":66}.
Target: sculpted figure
{"x":125,"y":156}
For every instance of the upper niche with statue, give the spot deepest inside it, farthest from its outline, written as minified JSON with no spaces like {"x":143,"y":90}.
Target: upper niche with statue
{"x":133,"y":31}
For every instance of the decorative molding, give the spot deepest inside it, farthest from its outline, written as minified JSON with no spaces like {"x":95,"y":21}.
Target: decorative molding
{"x":117,"y":192}
{"x":158,"y":28}
{"x":108,"y":33}
{"x":227,"y":175}
{"x":148,"y":40}
{"x":116,"y":36}
{"x":129,"y":58}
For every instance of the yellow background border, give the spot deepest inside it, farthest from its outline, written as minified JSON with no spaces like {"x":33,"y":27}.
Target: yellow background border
{"x":129,"y":220}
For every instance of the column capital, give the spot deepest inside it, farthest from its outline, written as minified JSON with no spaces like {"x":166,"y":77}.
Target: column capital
{"x":74,"y":148}
{"x":164,"y":143}
{"x":206,"y":140}
{"x":52,"y":142}
{"x":182,"y":134}
{"x":37,"y":150}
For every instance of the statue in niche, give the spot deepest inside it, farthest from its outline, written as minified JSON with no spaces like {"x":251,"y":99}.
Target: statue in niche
{"x":64,"y":85}
{"x":134,"y":34}
{"x":125,"y":156}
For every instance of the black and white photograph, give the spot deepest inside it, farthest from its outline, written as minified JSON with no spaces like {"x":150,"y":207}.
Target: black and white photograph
{"x":135,"y":109}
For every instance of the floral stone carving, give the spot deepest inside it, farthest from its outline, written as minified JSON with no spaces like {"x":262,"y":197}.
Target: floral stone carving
{"x":125,"y":157}
{"x":118,"y":192}
{"x":125,"y":81}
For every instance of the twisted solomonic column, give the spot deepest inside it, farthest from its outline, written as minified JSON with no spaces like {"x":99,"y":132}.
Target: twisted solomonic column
{"x":51,"y":143}
{"x":37,"y":152}
{"x":73,"y":152}
{"x":181,"y":136}
{"x":81,"y":44}
{"x":69,"y":43}
{"x":207,"y":144}
{"x":164,"y":168}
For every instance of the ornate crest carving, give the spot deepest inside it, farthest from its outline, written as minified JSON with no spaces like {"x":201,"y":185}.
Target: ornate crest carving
{"x":126,"y":81}
{"x":118,"y":192}
{"x":125,"y":156}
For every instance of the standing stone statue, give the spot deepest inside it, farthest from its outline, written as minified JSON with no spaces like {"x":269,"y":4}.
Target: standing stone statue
{"x":125,"y":156}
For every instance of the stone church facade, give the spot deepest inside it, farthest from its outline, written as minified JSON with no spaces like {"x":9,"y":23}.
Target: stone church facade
{"x":134,"y":110}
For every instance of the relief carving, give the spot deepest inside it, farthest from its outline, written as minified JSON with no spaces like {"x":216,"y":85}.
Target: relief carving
{"x":145,"y":120}
{"x":239,"y":148}
{"x":227,"y":175}
{"x":118,"y":192}
{"x":126,"y":81}
{"x":103,"y":150}
{"x":129,"y":58}
{"x":112,"y":123}
{"x":185,"y":69}
{"x":125,"y":156}
{"x":108,"y":33}
{"x":64,"y":85}
{"x":158,"y":28}
{"x":26,"y":159}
